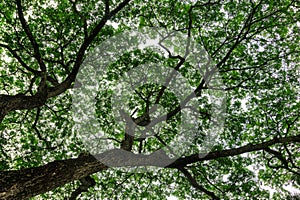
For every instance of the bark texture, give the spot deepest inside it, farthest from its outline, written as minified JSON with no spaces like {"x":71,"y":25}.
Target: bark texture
{"x":26,"y":183}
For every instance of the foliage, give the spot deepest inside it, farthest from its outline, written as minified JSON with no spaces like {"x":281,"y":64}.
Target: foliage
{"x":254,"y":46}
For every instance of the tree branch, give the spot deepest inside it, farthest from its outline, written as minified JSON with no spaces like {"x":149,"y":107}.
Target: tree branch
{"x":196,"y":185}
{"x":29,"y":34}
{"x":86,"y":183}
{"x":66,"y":84}
{"x":16,"y":56}
{"x":181,"y":162}
{"x":25,"y":183}
{"x":16,"y":102}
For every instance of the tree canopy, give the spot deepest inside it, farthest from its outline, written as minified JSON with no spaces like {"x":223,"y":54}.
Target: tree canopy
{"x":234,"y":65}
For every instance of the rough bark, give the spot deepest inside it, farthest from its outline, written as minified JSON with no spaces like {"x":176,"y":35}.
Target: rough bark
{"x":10,"y":103}
{"x":25,"y":183}
{"x":19,"y":102}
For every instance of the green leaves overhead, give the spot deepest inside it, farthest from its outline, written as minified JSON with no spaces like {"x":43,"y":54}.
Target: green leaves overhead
{"x":254,"y":45}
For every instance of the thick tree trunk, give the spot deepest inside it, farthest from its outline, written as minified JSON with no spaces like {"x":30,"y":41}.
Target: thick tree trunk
{"x":26,"y":183}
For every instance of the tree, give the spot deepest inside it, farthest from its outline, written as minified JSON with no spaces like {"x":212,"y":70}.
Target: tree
{"x":254,"y":46}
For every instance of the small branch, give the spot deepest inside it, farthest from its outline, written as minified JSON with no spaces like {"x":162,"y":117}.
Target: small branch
{"x":106,"y":2}
{"x":110,"y":138}
{"x":29,"y":34}
{"x":86,"y":183}
{"x":291,"y":157}
{"x":48,"y":144}
{"x":16,"y":56}
{"x":66,"y":84}
{"x":196,"y":185}
{"x":82,"y":17}
{"x":181,"y":162}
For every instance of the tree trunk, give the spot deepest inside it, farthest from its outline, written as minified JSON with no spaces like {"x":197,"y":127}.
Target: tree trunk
{"x":26,"y":183}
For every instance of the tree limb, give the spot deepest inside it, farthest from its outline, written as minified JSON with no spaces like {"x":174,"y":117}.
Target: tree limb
{"x":232,"y":152}
{"x":85,"y":184}
{"x":25,"y":183}
{"x":29,"y":34}
{"x":196,"y":185}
